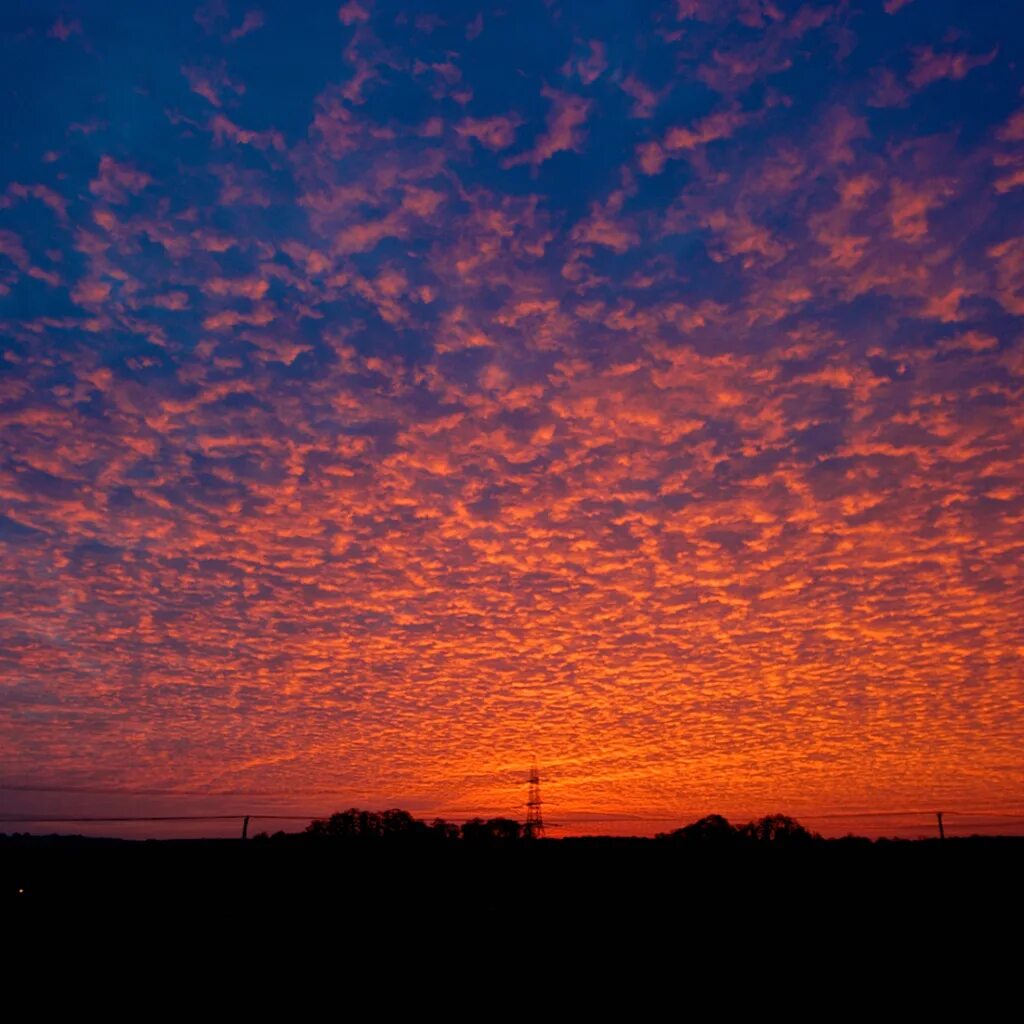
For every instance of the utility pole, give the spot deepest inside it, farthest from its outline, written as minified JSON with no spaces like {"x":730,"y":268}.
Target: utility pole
{"x":245,"y":827}
{"x":942,"y":831}
{"x":534,"y":819}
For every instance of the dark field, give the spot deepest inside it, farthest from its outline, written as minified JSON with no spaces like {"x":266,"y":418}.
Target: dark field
{"x":609,"y":927}
{"x":594,"y":880}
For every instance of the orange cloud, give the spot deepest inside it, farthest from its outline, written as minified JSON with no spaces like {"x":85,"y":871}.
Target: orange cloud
{"x":689,"y":462}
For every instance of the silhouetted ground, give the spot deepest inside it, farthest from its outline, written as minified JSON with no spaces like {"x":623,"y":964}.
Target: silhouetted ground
{"x":594,"y":880}
{"x":614,"y":929}
{"x":400,"y":922}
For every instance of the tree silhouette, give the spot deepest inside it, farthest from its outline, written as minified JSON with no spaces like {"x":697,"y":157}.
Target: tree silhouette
{"x":395,"y":825}
{"x":778,"y":829}
{"x":494,"y":831}
{"x":711,"y":829}
{"x":444,"y":831}
{"x":357,"y":825}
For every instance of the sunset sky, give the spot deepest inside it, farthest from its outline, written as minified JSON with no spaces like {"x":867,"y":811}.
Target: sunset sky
{"x":395,"y":392}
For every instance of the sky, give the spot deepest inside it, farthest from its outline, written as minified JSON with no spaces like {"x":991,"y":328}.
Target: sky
{"x":394,"y":393}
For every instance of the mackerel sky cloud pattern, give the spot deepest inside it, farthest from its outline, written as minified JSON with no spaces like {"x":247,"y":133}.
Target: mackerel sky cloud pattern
{"x":390,"y":394}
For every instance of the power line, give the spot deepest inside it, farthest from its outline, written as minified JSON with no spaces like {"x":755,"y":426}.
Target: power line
{"x":313,"y":793}
{"x":62,"y":820}
{"x":153,"y":817}
{"x":638,"y":818}
{"x":125,"y":791}
{"x":906,"y":814}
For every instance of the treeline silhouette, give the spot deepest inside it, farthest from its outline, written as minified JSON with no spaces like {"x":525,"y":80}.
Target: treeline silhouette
{"x":714,"y":830}
{"x":378,"y":874}
{"x":400,"y":826}
{"x":397,"y":825}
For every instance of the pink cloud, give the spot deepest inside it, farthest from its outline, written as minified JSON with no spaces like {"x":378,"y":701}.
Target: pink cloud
{"x":171,"y":300}
{"x":241,"y":187}
{"x":715,"y":126}
{"x":228,"y":318}
{"x":910,"y":204}
{"x":421,"y":201}
{"x":353,"y":13}
{"x":564,"y":132}
{"x":930,"y":66}
{"x":12,"y":247}
{"x":651,"y":157}
{"x":224,"y":128}
{"x":1013,"y":130}
{"x":645,"y":99}
{"x":592,"y":66}
{"x":732,"y":71}
{"x":48,"y":276}
{"x":604,"y":226}
{"x":1014,"y":177}
{"x":45,"y":195}
{"x":737,"y":235}
{"x":496,"y":133}
{"x":971,"y":341}
{"x":210,"y":83}
{"x":116,"y":181}
{"x":887,"y":90}
{"x":243,"y":287}
{"x":720,"y":125}
{"x":367,"y":235}
{"x":64,"y":30}
{"x":90,"y":292}
{"x":839,"y":129}
{"x":334,"y":124}
{"x":1008,"y":262}
{"x":212,"y":241}
{"x":251,"y":22}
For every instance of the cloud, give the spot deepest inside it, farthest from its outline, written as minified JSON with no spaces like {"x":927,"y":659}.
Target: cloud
{"x":910,"y":204}
{"x":1013,"y":130}
{"x":251,"y":22}
{"x":224,"y":129}
{"x":930,"y":66}
{"x":64,"y":29}
{"x":645,"y":99}
{"x":211,"y":82}
{"x":115,"y":182}
{"x":887,"y":90}
{"x":678,"y":140}
{"x":47,"y":196}
{"x":564,"y":132}
{"x":591,"y":66}
{"x":246,"y":287}
{"x":493,"y":132}
{"x":353,"y":13}
{"x":604,"y":226}
{"x":12,"y":247}
{"x":341,"y":458}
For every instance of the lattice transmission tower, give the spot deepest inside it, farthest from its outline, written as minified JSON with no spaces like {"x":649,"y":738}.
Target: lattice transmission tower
{"x":534,"y":818}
